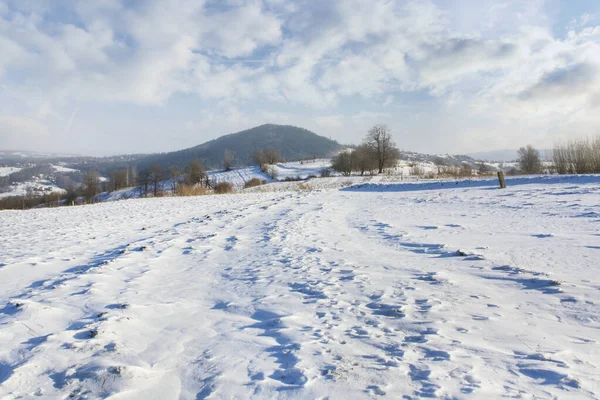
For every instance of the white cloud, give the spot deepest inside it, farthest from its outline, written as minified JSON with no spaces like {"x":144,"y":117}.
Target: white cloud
{"x":488,"y":63}
{"x":21,"y":133}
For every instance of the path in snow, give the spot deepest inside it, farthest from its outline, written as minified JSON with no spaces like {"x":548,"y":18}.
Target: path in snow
{"x":465,"y":293}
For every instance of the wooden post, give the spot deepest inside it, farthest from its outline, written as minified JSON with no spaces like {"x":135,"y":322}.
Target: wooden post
{"x":501,"y":180}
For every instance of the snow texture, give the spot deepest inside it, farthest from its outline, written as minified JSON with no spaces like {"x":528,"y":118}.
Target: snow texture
{"x":62,"y":168}
{"x":39,"y":187}
{"x":374,"y":291}
{"x":6,"y":171}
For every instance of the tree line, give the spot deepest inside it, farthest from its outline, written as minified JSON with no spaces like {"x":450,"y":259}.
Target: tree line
{"x":377,"y":152}
{"x":577,"y":156}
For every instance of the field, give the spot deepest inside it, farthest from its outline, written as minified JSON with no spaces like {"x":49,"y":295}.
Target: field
{"x":378,"y":290}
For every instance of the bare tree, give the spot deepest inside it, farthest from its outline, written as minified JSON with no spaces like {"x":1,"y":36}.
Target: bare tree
{"x":118,"y":179}
{"x":174,"y":174}
{"x":228,"y":160}
{"x":156,"y":175}
{"x":70,"y":196}
{"x":271,"y":156}
{"x":143,"y":181}
{"x":131,"y":176}
{"x":466,"y":170}
{"x":441,"y":164}
{"x":379,"y":139}
{"x":91,"y":182}
{"x":258,"y":157}
{"x":483,"y":168}
{"x":195,"y":173}
{"x":529,"y":160}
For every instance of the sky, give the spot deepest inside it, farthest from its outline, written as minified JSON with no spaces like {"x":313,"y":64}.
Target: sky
{"x":102,"y":77}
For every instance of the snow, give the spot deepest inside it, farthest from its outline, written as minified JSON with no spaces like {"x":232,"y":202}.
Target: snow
{"x":378,"y":290}
{"x":37,"y":187}
{"x":62,"y":168}
{"x":238,"y":176}
{"x":296,"y":169}
{"x":5,"y":171}
{"x":302,"y":169}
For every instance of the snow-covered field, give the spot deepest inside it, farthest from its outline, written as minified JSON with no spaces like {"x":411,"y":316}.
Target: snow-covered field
{"x":374,"y":291}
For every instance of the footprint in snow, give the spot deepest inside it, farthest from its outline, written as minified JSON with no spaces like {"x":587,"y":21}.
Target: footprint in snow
{"x":376,"y":390}
{"x":428,"y":227}
{"x":231,"y":242}
{"x":436,"y":355}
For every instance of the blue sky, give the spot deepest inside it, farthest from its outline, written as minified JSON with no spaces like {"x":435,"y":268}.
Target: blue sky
{"x":102,"y":77}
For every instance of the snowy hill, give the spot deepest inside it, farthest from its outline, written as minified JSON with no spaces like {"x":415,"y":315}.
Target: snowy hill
{"x":393,"y":291}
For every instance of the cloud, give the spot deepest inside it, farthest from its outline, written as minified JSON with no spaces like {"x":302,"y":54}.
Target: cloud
{"x":18,"y":132}
{"x":324,"y":64}
{"x":573,"y":80}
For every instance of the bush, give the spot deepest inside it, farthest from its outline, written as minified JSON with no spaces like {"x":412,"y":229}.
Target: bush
{"x":292,"y":178}
{"x":417,"y":170}
{"x":325,"y":172}
{"x":190,"y":190}
{"x":223,"y":188}
{"x":342,"y":163}
{"x":529,"y":160}
{"x":580,"y":156}
{"x":252,"y":183}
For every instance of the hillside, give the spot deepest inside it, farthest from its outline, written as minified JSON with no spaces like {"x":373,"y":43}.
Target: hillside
{"x":291,"y":142}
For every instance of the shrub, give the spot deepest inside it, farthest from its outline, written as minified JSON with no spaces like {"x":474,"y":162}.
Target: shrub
{"x":292,"y":178}
{"x":190,"y":190}
{"x":252,"y":183}
{"x":580,"y":156}
{"x":529,"y":160}
{"x":223,"y":188}
{"x":342,"y":163}
{"x":325,"y":172}
{"x":417,"y":170}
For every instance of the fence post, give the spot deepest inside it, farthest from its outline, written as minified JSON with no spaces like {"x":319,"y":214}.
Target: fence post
{"x":501,"y":180}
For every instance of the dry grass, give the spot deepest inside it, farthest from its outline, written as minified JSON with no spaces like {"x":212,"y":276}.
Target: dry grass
{"x":223,"y":188}
{"x":191,"y":190}
{"x":252,"y":183}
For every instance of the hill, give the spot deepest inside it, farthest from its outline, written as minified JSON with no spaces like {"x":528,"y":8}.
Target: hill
{"x":291,"y":142}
